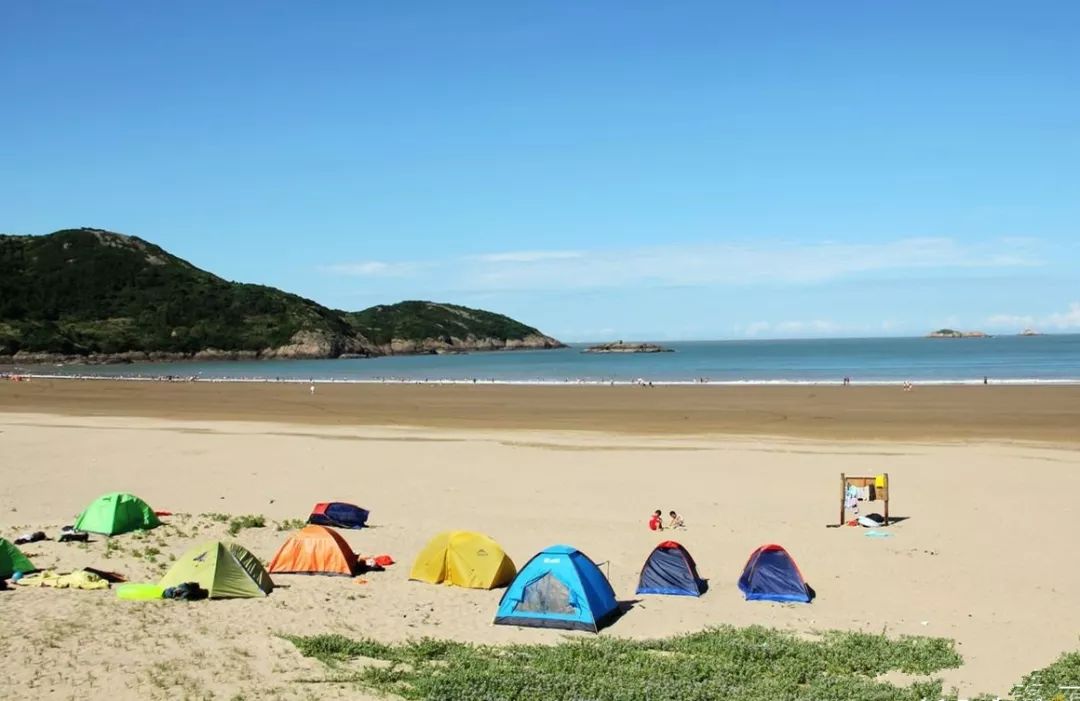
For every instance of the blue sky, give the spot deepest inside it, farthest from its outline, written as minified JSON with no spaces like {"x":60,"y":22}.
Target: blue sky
{"x":597,"y":169}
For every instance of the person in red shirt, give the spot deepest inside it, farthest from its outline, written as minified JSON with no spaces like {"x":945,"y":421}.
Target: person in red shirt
{"x":656,"y":523}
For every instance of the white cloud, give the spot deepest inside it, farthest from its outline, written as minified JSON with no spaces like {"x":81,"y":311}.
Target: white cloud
{"x":374,"y":268}
{"x":741,"y":264}
{"x":701,"y":265}
{"x":756,"y":328}
{"x":526,"y":256}
{"x":1010,"y":320}
{"x":1057,"y":321}
{"x":1065,"y":320}
{"x":814,"y":327}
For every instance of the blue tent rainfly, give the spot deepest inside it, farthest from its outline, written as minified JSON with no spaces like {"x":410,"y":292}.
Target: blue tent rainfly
{"x":559,"y":587}
{"x":772,"y":575}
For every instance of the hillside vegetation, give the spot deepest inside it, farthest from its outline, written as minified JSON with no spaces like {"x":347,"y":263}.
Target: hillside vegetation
{"x":83,"y":292}
{"x":428,"y":320}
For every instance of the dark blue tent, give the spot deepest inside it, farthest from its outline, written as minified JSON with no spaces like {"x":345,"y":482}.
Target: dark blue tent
{"x":771,"y":575}
{"x":670,"y":570}
{"x":338,"y":514}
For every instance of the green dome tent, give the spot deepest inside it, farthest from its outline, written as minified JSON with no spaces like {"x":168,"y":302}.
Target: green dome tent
{"x":116,"y":513}
{"x":225,"y":570}
{"x":12,"y":560}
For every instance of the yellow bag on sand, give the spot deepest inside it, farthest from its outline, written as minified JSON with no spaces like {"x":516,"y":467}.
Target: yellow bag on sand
{"x":139,"y":591}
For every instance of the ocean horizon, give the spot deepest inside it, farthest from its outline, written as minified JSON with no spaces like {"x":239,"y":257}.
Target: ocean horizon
{"x":1044,"y":359}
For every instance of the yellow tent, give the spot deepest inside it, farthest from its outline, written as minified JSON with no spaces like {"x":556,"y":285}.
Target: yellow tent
{"x":464,"y":559}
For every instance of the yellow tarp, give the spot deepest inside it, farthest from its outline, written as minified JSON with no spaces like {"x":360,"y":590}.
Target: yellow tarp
{"x":74,"y":580}
{"x":463,"y":559}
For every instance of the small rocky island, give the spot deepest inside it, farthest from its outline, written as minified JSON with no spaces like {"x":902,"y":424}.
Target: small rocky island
{"x":622,"y":347}
{"x":952,"y":333}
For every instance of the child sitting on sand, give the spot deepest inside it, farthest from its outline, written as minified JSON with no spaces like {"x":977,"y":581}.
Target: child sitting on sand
{"x":676,"y":521}
{"x":656,"y":523}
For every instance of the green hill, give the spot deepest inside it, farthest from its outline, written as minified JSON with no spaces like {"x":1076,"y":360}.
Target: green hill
{"x":89,"y":292}
{"x":436,"y":323}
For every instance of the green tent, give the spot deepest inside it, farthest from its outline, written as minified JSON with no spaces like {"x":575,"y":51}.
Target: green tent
{"x":226,"y":570}
{"x":112,"y":514}
{"x":12,"y":560}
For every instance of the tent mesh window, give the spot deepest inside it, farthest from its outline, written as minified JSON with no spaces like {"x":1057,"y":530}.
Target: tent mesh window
{"x":546,"y":595}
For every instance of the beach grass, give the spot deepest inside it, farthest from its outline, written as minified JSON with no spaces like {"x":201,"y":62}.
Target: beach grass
{"x":239,"y":523}
{"x":290,"y":524}
{"x":1052,"y":682}
{"x":732,"y":663}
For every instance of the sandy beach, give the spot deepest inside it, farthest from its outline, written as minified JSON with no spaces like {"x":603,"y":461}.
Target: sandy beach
{"x":983,"y":478}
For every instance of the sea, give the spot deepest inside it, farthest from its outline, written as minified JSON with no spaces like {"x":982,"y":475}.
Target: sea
{"x":1045,"y":359}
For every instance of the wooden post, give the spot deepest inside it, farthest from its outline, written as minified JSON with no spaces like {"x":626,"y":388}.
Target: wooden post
{"x":888,"y":495}
{"x":843,"y":496}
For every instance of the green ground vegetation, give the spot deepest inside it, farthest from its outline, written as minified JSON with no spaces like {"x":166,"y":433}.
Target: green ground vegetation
{"x":741,"y":664}
{"x":290,"y":524}
{"x":1050,"y":682}
{"x":239,"y":523}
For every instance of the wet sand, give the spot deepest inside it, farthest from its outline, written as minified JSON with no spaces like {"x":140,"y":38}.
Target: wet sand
{"x":998,"y":413}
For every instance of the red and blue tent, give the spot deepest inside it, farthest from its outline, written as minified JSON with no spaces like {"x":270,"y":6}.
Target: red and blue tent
{"x":338,"y":514}
{"x":670,"y":570}
{"x":772,"y":575}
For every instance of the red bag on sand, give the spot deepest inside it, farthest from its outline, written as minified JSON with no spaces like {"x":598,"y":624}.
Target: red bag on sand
{"x":383,"y":560}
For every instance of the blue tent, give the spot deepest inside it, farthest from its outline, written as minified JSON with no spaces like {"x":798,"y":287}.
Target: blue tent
{"x":771,"y":575}
{"x":670,"y":570}
{"x":338,"y":514}
{"x":559,"y":588}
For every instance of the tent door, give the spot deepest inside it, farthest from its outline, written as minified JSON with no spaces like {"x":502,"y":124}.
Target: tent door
{"x":547,"y":594}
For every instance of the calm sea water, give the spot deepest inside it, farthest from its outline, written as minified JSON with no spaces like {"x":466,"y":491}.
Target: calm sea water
{"x":1053,"y":358}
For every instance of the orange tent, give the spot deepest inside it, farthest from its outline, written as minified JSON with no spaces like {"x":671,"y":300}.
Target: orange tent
{"x":314,"y":550}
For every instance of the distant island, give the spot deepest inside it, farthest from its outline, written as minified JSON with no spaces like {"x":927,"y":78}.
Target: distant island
{"x":1029,"y":332}
{"x":621,"y":347}
{"x":95,"y":296}
{"x":952,"y":333}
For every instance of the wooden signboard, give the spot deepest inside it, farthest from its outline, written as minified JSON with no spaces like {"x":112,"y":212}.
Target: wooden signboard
{"x":879,"y":490}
